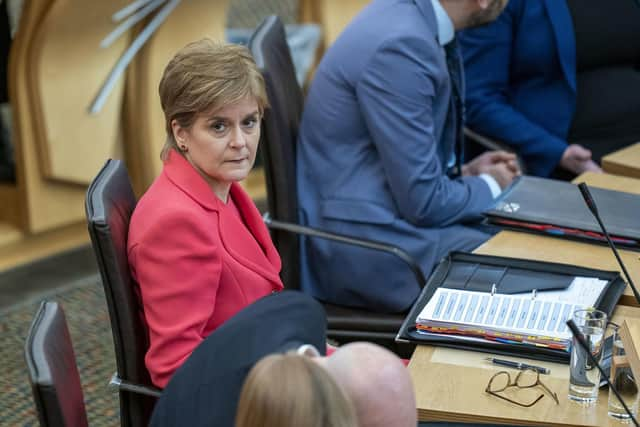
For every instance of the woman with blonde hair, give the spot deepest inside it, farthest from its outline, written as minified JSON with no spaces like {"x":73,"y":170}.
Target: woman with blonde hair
{"x":285,"y":390}
{"x":197,"y":246}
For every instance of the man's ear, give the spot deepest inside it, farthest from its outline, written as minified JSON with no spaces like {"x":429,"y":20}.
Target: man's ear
{"x":483,"y":4}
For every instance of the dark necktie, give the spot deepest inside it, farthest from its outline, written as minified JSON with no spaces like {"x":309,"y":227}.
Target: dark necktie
{"x":456,"y":112}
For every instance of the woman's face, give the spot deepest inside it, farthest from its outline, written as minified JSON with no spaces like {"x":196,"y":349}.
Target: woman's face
{"x":221,"y":145}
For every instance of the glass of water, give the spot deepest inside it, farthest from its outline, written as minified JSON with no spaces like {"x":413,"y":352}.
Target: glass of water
{"x":623,"y":380}
{"x":584,"y":376}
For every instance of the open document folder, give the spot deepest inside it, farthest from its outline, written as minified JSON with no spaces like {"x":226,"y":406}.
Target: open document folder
{"x":456,"y":307}
{"x":536,"y":319}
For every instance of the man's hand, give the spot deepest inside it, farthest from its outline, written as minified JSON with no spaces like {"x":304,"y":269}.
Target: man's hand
{"x":502,"y":173}
{"x":577,"y":159}
{"x":487,"y":161}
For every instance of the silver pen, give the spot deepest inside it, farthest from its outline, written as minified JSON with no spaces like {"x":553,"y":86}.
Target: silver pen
{"x":518,"y":365}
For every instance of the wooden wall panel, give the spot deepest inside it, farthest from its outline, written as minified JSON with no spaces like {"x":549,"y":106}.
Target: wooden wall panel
{"x":67,"y":67}
{"x":42,"y":205}
{"x":332,"y":15}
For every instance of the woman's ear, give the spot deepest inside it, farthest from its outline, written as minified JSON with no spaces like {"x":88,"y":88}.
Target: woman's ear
{"x":179,"y":134}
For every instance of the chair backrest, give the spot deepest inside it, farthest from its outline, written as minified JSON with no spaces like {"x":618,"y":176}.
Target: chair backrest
{"x":109,"y":204}
{"x":53,"y":374}
{"x":268,"y":44}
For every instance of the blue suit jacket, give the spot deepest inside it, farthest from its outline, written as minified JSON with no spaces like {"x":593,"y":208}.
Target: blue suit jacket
{"x":521,"y":80}
{"x":371,"y":159}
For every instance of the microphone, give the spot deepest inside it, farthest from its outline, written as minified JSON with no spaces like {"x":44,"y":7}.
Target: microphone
{"x":591,"y":204}
{"x":578,"y":336}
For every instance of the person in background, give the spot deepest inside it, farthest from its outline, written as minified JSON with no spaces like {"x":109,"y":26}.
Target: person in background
{"x":380,"y":153}
{"x":197,"y":245}
{"x":557,"y":80}
{"x":290,"y":390}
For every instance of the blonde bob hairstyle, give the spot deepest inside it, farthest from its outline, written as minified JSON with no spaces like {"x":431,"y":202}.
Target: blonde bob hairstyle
{"x":290,"y":390}
{"x":203,"y":77}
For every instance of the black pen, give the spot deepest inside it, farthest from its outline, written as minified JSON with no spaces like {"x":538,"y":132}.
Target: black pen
{"x":518,"y":365}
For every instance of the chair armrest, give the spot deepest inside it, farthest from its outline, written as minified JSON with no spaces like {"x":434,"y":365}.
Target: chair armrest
{"x":121,"y":384}
{"x":486,"y":142}
{"x":349,"y":240}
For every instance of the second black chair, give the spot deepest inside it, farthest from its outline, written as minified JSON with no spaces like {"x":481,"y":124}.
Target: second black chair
{"x":53,"y":374}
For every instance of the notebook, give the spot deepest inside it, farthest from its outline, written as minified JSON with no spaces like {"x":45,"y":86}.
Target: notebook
{"x":557,"y":208}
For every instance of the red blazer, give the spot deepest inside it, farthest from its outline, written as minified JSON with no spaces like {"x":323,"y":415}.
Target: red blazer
{"x":196,"y":262}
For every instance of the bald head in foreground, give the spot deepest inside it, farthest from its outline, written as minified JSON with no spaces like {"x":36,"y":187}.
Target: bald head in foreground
{"x":377,"y":382}
{"x":360,"y":384}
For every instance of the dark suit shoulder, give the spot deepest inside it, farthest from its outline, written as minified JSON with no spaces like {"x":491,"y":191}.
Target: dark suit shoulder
{"x":204,"y":391}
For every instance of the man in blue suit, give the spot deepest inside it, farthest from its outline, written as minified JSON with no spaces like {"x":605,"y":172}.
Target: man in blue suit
{"x":380,"y":152}
{"x":521,"y":84}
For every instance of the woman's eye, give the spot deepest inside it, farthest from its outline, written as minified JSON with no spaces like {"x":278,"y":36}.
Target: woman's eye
{"x":219,"y":127}
{"x":250,"y":123}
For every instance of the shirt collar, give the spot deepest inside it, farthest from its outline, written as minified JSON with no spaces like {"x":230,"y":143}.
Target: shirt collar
{"x":446,"y":31}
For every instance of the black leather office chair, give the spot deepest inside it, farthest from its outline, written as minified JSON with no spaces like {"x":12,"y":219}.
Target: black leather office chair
{"x":280,"y":131}
{"x":109,"y":204}
{"x":53,"y":374}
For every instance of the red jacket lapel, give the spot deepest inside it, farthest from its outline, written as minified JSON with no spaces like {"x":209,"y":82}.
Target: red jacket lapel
{"x":182,"y":174}
{"x":266,"y":262}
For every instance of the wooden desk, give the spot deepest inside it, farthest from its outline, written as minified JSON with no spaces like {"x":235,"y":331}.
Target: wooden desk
{"x":623,"y":162}
{"x":610,"y":182}
{"x":449,"y":386}
{"x":542,"y":248}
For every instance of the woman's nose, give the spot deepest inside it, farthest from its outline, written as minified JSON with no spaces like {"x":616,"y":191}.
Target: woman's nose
{"x":238,"y":138}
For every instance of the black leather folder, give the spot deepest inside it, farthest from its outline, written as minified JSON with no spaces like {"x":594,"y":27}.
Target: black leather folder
{"x":461,"y":270}
{"x":557,"y":208}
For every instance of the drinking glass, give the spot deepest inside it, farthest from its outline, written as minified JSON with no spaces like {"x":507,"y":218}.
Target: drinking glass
{"x":584,"y":376}
{"x":623,"y":380}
